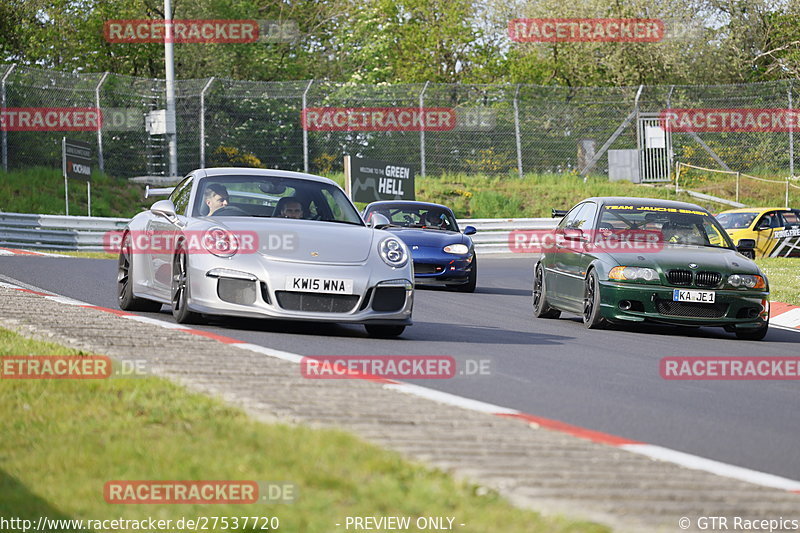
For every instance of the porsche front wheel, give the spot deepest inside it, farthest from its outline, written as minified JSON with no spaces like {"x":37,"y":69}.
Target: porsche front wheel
{"x":180,"y":290}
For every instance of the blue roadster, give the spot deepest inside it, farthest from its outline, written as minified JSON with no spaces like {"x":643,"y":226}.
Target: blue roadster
{"x":442,"y":254}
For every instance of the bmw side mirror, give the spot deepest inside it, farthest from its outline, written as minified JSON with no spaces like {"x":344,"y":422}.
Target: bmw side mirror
{"x":575,"y":235}
{"x":378,"y":221}
{"x":164,"y":208}
{"x":470,"y":230}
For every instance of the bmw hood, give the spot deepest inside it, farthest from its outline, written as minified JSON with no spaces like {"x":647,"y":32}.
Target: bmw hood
{"x":308,"y":241}
{"x":721,"y":260}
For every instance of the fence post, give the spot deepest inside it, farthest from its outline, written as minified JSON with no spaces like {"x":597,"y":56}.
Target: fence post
{"x":791,"y":135}
{"x":100,"y":161}
{"x":3,"y":106}
{"x":303,"y":125}
{"x":516,"y":131}
{"x":203,"y":122}
{"x":422,"y":131}
{"x":738,"y":174}
{"x":633,"y":114}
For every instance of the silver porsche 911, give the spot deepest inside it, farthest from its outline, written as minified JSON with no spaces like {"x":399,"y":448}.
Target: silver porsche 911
{"x":265,"y":243}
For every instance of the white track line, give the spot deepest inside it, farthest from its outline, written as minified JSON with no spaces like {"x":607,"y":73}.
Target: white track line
{"x":715,"y":467}
{"x":660,"y":453}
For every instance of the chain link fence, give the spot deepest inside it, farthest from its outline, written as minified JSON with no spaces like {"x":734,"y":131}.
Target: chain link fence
{"x":498,"y":129}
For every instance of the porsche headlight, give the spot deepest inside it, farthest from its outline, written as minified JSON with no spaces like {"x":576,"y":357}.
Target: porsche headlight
{"x":459,"y":249}
{"x":746,"y":281}
{"x":393,"y":252}
{"x":626,"y":273}
{"x":220,"y":242}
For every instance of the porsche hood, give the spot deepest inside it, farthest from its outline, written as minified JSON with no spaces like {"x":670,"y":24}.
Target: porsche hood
{"x":309,"y":241}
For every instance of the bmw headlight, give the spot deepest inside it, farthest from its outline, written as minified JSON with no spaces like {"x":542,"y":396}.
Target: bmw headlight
{"x":393,"y":252}
{"x":220,"y":242}
{"x":626,"y":273}
{"x":459,"y":249}
{"x":746,"y":281}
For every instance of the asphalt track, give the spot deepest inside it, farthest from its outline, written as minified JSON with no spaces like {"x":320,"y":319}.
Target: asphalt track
{"x":606,"y":380}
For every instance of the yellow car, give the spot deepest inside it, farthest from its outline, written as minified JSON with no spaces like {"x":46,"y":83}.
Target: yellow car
{"x":775,"y":230}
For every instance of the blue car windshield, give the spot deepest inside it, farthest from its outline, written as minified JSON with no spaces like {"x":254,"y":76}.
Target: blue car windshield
{"x":415,"y":216}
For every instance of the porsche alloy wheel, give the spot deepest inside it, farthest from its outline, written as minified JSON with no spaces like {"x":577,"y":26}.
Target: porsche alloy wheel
{"x":384,"y":332}
{"x":127,"y":301}
{"x":180,"y":290}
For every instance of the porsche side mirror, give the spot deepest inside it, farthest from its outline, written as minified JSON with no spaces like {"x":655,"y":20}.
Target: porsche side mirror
{"x":378,"y":221}
{"x":470,"y":230}
{"x":164,"y":208}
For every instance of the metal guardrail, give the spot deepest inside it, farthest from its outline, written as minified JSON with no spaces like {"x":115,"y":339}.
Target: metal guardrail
{"x":493,"y":233}
{"x":58,"y":232}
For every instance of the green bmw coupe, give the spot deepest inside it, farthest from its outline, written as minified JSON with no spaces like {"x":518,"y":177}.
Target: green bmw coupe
{"x":617,"y":260}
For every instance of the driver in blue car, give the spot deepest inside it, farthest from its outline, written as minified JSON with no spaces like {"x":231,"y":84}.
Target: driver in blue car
{"x":216,"y":197}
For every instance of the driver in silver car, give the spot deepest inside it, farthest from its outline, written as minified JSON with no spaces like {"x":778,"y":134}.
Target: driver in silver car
{"x":216,"y":197}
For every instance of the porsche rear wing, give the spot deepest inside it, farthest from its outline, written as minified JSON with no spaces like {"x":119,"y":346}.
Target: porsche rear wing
{"x":157,"y":191}
{"x":558,"y":213}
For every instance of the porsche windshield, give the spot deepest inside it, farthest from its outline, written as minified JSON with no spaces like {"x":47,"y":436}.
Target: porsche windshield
{"x":673,"y":225}
{"x":273,"y":197}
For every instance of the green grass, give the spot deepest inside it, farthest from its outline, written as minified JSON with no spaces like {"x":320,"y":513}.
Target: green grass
{"x":752,"y":192}
{"x":784,"y":278}
{"x":534,"y":195}
{"x":85,"y":255}
{"x":41,"y":190}
{"x":63,"y":440}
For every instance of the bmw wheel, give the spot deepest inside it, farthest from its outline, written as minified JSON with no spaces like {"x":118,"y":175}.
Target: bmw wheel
{"x":752,"y":334}
{"x":592,"y":318}
{"x":541,"y":309}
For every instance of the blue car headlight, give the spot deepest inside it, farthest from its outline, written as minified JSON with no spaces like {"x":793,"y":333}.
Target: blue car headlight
{"x":393,"y":252}
{"x":459,"y":249}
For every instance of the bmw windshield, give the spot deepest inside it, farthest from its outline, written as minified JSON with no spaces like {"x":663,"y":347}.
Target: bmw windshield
{"x":674,"y":226}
